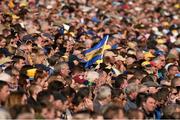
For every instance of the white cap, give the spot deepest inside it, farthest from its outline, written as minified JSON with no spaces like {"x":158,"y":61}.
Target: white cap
{"x":5,"y":77}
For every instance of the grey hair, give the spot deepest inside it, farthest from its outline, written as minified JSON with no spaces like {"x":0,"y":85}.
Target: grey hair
{"x":132,"y":87}
{"x":92,"y":75}
{"x":59,"y":66}
{"x":103,"y":92}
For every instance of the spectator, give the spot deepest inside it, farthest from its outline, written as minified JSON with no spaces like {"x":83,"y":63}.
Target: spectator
{"x":148,"y":106}
{"x":103,"y":97}
{"x":131,"y":92}
{"x":4,"y":92}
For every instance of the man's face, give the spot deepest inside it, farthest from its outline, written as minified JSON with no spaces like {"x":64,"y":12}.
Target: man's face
{"x":130,"y":60}
{"x":65,"y":71}
{"x":173,"y":71}
{"x":4,"y":93}
{"x":153,"y":90}
{"x":162,"y":59}
{"x":20,"y":64}
{"x":150,"y":104}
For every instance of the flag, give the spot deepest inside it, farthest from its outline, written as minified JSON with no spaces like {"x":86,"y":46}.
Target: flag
{"x":95,"y":53}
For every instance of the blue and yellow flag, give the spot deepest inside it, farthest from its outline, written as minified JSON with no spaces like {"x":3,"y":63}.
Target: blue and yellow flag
{"x":95,"y":54}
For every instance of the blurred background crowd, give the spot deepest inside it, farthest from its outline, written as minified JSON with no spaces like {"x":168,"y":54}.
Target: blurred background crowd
{"x":44,"y":72}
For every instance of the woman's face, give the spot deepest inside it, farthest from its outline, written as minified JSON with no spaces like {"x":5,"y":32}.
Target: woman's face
{"x":2,"y":43}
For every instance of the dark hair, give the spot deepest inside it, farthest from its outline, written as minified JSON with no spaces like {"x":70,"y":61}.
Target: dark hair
{"x":149,"y":96}
{"x":116,"y":92}
{"x":55,"y":86}
{"x":119,"y":80}
{"x":16,"y":58}
{"x":81,"y":94}
{"x":2,"y":84}
{"x":43,"y":97}
{"x":68,"y":92}
{"x":140,"y":99}
{"x":171,"y":66}
{"x":52,"y":60}
{"x":162,"y":94}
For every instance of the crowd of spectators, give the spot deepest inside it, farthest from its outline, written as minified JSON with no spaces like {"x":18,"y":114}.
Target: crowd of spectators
{"x":42,"y":72}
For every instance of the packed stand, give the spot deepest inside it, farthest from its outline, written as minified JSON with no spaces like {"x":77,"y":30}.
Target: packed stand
{"x":43,"y":70}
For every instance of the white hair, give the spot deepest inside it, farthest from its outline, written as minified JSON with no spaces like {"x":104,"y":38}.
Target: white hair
{"x":92,"y":75}
{"x":103,"y":92}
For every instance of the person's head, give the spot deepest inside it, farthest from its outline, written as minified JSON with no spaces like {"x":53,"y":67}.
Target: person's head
{"x":60,"y":101}
{"x":169,"y":110}
{"x":103,"y":76}
{"x":34,"y":90}
{"x":139,"y":55}
{"x":88,"y":43}
{"x":69,"y":92}
{"x":40,"y":78}
{"x":38,"y":55}
{"x":135,"y":114}
{"x":118,"y":97}
{"x":19,"y":62}
{"x":16,"y":98}
{"x":80,"y":96}
{"x":4,"y":91}
{"x":93,"y":76}
{"x":173,"y":95}
{"x":162,"y":96}
{"x":53,"y":60}
{"x":62,"y":68}
{"x":2,"y":41}
{"x":46,"y":110}
{"x":173,"y":70}
{"x":14,"y":73}
{"x":55,"y":86}
{"x":130,"y":59}
{"x":23,"y":82}
{"x":132,"y":90}
{"x":45,"y":97}
{"x":113,"y":112}
{"x":120,"y":82}
{"x":149,"y":103}
{"x":104,"y":94}
{"x":162,"y":59}
{"x":140,"y":99}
